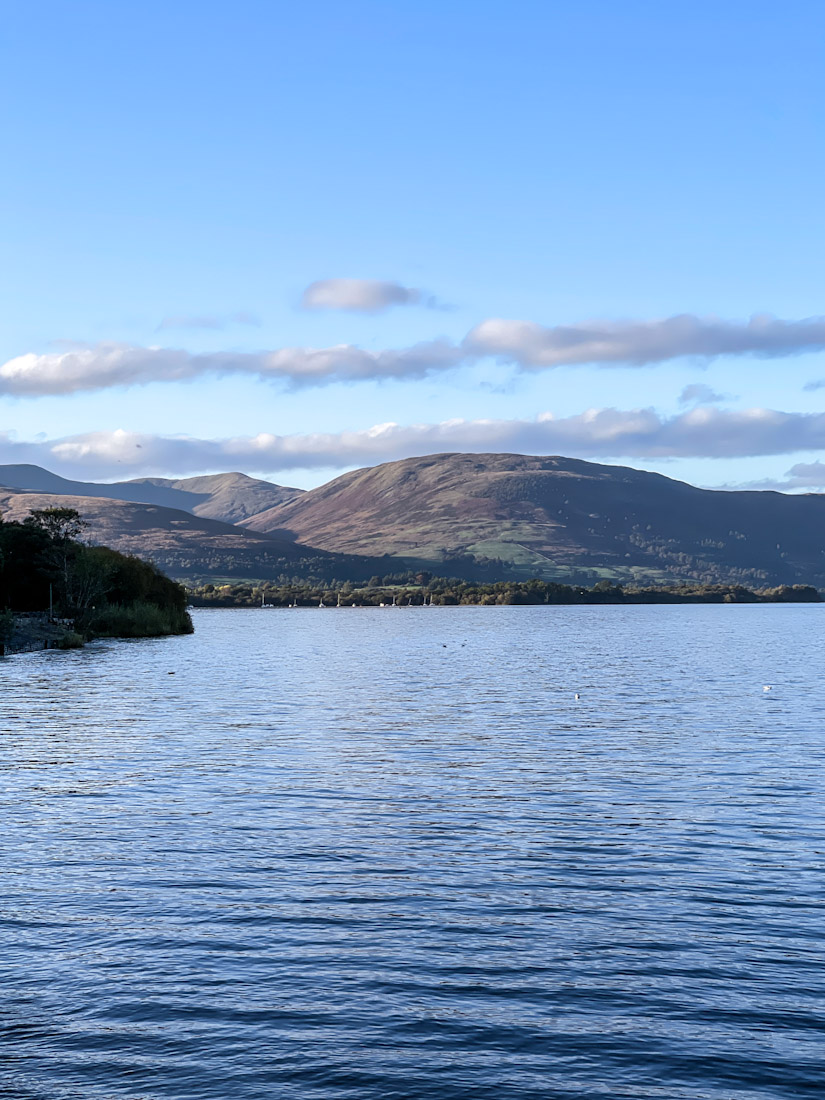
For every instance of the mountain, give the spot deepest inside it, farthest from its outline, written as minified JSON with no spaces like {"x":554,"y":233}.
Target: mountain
{"x":227,"y":497}
{"x":558,"y":518}
{"x":478,"y":516}
{"x":184,"y":545}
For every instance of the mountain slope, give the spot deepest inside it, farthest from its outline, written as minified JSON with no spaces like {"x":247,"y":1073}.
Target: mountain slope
{"x":228,"y":497}
{"x":180,"y":543}
{"x":559,"y":518}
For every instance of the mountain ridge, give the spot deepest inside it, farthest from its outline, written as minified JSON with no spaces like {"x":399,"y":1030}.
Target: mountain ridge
{"x":559,"y":518}
{"x":228,"y":497}
{"x":477,"y":516}
{"x":182,"y":544}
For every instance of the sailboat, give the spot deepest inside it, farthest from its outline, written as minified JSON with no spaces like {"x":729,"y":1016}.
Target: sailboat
{"x":264,"y":604}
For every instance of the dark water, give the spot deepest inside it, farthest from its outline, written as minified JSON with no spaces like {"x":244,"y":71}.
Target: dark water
{"x":387,"y":854}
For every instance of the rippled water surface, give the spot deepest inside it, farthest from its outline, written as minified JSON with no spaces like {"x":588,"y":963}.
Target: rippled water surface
{"x":387,"y":854}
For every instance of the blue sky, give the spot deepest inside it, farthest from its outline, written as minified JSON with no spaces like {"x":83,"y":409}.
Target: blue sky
{"x":180,"y":165}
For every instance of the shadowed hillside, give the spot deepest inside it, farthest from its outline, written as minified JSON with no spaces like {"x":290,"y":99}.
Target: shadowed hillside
{"x":559,"y":518}
{"x":183,"y":545}
{"x":227,"y":497}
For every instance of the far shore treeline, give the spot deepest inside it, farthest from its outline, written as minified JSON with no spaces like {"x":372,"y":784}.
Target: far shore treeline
{"x":92,"y":591}
{"x":440,"y":591}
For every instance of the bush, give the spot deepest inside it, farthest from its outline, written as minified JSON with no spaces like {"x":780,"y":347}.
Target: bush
{"x":140,"y":619}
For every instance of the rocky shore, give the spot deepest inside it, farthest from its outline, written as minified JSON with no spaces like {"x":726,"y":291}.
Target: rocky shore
{"x":37,"y":631}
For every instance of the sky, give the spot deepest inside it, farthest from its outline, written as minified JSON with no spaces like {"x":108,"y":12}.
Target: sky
{"x":297,"y":239}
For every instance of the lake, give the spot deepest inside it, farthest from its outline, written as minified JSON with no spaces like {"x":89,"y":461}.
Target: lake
{"x":378,"y":854}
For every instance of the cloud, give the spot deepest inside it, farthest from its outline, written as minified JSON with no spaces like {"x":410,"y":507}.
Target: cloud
{"x":699,"y":394}
{"x":640,"y":343}
{"x":362,"y":295}
{"x":75,"y":368}
{"x":207,"y":320}
{"x":109,"y":365}
{"x":804,"y":475}
{"x":596,"y":434}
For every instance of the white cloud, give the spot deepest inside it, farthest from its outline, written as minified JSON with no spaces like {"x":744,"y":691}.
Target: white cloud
{"x":640,"y":343}
{"x":109,"y":365}
{"x":93,"y":368}
{"x":77,"y":368}
{"x":361,"y":295}
{"x":596,"y":434}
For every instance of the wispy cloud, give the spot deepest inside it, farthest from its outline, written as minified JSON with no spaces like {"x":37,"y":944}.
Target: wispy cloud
{"x":597,"y":434}
{"x":640,"y":343}
{"x":105,"y":366}
{"x":699,"y":394}
{"x":207,"y":321}
{"x":528,"y":346}
{"x":363,"y":295}
{"x":804,"y":475}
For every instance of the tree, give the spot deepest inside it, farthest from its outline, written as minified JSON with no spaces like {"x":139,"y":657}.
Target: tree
{"x":60,"y":524}
{"x":28,"y":567}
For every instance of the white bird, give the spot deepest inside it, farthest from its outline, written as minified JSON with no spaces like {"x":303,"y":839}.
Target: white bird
{"x":577,"y":696}
{"x":767,"y":687}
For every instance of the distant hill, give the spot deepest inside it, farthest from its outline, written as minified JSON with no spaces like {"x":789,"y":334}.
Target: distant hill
{"x":558,"y":518}
{"x":227,"y":497}
{"x":183,"y":545}
{"x":488,"y":516}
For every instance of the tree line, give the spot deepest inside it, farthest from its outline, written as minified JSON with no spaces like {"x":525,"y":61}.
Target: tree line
{"x":435,"y":591}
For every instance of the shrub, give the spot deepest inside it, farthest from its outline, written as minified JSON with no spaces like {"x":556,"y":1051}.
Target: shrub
{"x":139,"y":619}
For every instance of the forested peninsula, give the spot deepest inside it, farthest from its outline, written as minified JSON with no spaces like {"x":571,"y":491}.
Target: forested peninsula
{"x":58,"y":592}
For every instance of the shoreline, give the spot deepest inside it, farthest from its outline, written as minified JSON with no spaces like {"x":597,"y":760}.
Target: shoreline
{"x":446,"y":593}
{"x":34,"y":631}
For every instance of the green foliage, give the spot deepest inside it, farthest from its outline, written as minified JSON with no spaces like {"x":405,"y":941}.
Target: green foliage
{"x":139,"y":619}
{"x":27,"y":567}
{"x":104,"y":592}
{"x":60,"y":524}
